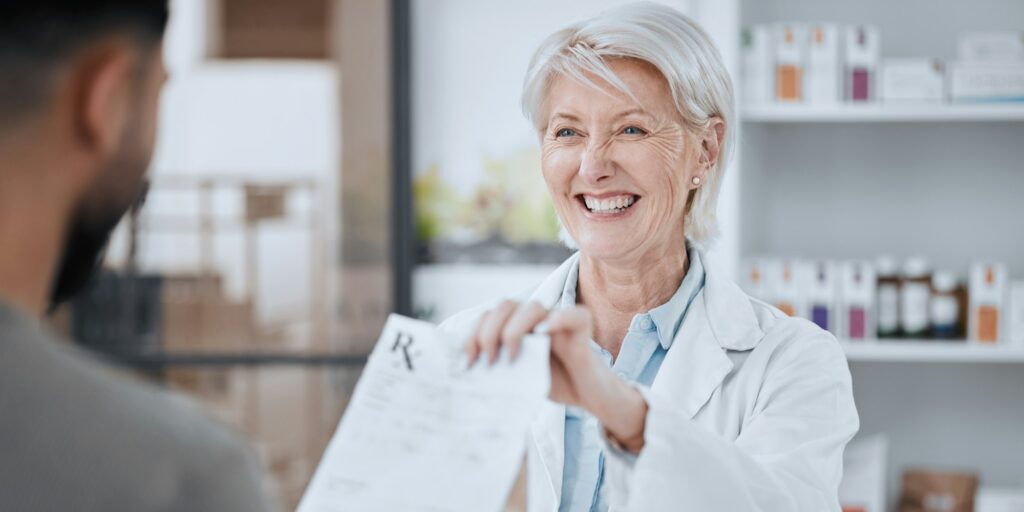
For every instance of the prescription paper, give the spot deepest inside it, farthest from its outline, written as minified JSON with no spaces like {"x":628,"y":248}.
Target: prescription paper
{"x":425,"y":433}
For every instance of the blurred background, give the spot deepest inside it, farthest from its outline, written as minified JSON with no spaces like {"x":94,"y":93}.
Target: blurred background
{"x":322,"y":163}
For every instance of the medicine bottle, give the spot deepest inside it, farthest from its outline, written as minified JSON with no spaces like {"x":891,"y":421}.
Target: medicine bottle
{"x":945,"y":307}
{"x":915,"y":295}
{"x":888,"y":302}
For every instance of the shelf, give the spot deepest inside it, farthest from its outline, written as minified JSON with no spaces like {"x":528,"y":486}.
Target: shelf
{"x":883,"y":112}
{"x":929,"y":351}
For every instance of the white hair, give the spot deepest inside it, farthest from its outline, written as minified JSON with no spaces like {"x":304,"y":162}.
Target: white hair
{"x":678,"y":48}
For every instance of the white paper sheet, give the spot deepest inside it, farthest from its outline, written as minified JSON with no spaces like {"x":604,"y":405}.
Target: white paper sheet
{"x":424,"y":433}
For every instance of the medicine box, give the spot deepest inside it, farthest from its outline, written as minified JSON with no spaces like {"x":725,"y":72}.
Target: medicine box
{"x":754,"y":278}
{"x":857,"y":300}
{"x":790,"y":49}
{"x":863,"y":48}
{"x":987,"y":290}
{"x":785,"y":288}
{"x":1015,"y":314}
{"x":758,"y":65}
{"x":991,"y":46}
{"x":821,"y":281}
{"x":823,"y":71}
{"x":912,"y":80}
{"x":981,"y":81}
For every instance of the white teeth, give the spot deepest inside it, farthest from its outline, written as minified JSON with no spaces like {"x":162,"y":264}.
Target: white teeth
{"x":608,"y":205}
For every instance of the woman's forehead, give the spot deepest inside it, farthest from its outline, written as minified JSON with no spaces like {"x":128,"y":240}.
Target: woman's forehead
{"x":647,"y":92}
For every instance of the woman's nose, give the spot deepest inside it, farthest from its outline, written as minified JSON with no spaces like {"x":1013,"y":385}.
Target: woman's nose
{"x":595,"y":165}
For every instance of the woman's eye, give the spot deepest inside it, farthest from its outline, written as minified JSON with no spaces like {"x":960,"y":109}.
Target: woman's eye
{"x":633,"y":130}
{"x":565,"y":132}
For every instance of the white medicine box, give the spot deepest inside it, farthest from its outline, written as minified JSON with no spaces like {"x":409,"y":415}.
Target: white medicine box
{"x":758,"y":65}
{"x":913,"y":80}
{"x":824,"y":72}
{"x":1016,"y":314}
{"x":987,"y":290}
{"x":862,"y":46}
{"x":991,"y":46}
{"x":857,"y":300}
{"x":821,"y":284}
{"x":754,"y":278}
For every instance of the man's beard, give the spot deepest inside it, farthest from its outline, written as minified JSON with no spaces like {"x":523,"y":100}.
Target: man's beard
{"x":84,"y":247}
{"x":94,"y":221}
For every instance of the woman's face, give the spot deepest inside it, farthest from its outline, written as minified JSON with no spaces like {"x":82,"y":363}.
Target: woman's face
{"x":619,"y":171}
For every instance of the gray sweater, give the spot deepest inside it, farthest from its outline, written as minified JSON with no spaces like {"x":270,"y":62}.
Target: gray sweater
{"x":75,"y":435}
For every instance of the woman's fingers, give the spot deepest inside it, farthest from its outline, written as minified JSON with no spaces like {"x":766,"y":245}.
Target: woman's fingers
{"x":525,"y":318}
{"x":503,"y":326}
{"x":571,"y":328}
{"x":472,"y":346}
{"x":489,"y":335}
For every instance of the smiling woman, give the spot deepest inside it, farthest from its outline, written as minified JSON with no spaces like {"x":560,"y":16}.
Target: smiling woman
{"x":604,"y":152}
{"x":671,"y":388}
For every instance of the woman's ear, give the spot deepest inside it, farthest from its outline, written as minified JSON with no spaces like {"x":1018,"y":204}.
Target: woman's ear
{"x":711,"y":142}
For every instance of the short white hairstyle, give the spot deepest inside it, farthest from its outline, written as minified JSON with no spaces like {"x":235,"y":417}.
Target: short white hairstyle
{"x":678,"y":48}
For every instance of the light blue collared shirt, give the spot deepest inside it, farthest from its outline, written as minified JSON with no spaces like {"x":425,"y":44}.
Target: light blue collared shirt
{"x":649,"y":337}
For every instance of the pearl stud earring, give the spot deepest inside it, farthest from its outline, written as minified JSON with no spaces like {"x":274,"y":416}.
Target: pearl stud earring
{"x":695,"y":180}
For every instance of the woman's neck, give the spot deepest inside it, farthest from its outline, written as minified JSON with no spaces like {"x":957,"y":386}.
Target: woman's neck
{"x":616,"y":291}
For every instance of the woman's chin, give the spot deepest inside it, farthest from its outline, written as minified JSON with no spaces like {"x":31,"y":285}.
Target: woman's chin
{"x":607,"y":248}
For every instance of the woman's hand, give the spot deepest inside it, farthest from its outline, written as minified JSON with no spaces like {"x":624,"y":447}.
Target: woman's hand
{"x":578,"y":376}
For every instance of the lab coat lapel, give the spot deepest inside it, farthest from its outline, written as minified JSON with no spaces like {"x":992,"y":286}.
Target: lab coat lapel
{"x":695,"y":365}
{"x":548,"y":434}
{"x":719,"y":319}
{"x":548,"y":430}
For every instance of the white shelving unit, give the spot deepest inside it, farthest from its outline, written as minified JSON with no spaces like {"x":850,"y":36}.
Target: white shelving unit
{"x":941,"y":180}
{"x":930,"y":351}
{"x":883,"y":112}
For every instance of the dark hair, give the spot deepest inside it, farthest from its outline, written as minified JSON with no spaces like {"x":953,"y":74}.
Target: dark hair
{"x":38,"y":36}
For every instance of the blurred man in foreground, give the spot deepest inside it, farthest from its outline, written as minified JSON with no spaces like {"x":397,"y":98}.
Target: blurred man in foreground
{"x":80,"y":82}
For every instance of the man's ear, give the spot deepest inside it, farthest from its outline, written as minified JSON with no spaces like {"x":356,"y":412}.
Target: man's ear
{"x":103,"y":84}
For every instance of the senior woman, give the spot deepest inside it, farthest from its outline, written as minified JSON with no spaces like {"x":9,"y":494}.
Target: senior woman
{"x":671,"y":388}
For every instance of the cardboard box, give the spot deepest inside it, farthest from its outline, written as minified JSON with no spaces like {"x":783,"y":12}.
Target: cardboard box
{"x":929,"y":491}
{"x":269,"y":29}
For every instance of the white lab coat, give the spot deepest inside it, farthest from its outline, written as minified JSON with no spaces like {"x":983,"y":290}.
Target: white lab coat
{"x":750,"y":411}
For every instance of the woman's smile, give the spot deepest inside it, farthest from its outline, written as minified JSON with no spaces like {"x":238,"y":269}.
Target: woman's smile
{"x":607,"y":206}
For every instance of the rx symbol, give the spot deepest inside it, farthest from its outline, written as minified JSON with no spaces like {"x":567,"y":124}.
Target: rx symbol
{"x":402,"y":342}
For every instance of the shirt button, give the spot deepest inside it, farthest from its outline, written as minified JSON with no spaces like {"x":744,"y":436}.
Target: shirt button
{"x":622,"y":375}
{"x":645,"y":323}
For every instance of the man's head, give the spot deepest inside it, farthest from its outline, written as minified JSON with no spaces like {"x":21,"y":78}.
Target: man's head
{"x":82,"y":78}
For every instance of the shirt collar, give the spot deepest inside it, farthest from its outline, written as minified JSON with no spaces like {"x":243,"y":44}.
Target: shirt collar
{"x":667,"y":317}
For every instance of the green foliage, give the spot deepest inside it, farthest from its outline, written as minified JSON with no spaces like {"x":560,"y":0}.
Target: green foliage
{"x":511,"y":203}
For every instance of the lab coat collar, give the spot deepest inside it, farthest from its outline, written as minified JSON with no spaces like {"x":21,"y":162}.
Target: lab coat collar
{"x":721,"y":318}
{"x":727,"y":309}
